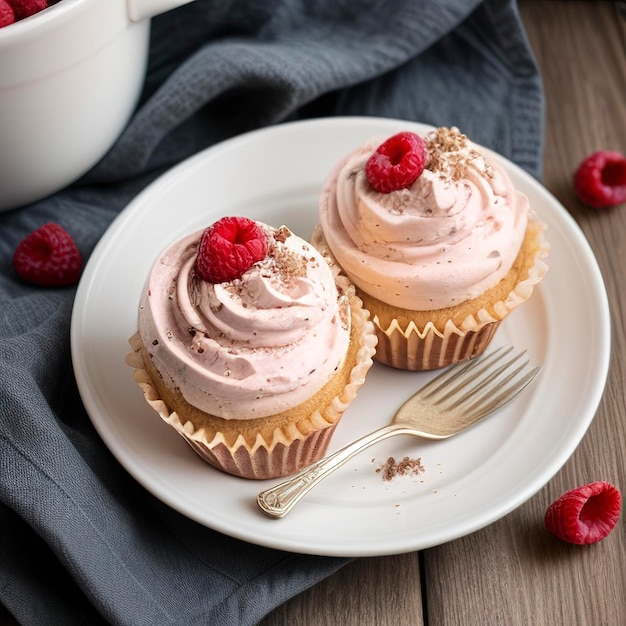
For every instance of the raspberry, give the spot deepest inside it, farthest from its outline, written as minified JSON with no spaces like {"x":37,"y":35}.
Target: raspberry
{"x":229,"y":248}
{"x":600,"y":180}
{"x":48,"y":257}
{"x":26,"y":8}
{"x":397,"y":162}
{"x":6,"y":14}
{"x":586,"y":514}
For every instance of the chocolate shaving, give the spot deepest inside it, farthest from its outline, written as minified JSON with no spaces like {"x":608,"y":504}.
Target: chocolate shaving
{"x":289,"y":264}
{"x":405,"y":467}
{"x":450,"y":154}
{"x":281,"y":234}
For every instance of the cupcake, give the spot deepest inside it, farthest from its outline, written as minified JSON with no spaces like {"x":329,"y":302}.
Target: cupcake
{"x":250,"y":346}
{"x":438,"y":243}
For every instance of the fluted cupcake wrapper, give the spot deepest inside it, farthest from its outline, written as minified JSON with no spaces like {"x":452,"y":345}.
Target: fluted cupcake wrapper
{"x":290,"y":447}
{"x":429,"y":349}
{"x":283,"y":459}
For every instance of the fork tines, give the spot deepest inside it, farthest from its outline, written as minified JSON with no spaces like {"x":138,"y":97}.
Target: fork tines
{"x":482,"y":384}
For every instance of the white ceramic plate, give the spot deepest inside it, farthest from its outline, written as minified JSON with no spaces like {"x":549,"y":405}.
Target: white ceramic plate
{"x":469,"y":481}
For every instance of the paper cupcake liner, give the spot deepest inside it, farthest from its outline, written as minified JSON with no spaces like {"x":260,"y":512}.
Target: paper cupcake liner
{"x":288,"y":448}
{"x":427,"y":348}
{"x":282,"y":460}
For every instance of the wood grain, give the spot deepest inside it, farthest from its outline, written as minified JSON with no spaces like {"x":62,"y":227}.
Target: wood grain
{"x":513,"y":572}
{"x":375,"y":591}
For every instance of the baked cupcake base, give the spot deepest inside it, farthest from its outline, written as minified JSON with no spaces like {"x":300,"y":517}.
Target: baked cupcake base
{"x":426,"y":340}
{"x":273,"y":446}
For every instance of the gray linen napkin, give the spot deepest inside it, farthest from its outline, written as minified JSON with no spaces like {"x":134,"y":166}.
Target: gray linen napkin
{"x":80,"y":541}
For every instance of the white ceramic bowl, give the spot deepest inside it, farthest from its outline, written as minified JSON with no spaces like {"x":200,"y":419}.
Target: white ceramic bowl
{"x":70,"y":78}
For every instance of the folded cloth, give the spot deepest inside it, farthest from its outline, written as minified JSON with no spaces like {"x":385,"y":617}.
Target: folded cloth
{"x":81,"y":542}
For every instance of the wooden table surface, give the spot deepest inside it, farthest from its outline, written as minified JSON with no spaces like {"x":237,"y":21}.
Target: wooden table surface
{"x":513,"y":572}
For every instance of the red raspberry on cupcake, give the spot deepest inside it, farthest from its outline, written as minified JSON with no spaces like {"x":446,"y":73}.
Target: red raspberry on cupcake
{"x":229,"y":248}
{"x":397,"y":162}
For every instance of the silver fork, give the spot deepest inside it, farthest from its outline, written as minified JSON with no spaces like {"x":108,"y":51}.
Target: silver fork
{"x":460,"y":397}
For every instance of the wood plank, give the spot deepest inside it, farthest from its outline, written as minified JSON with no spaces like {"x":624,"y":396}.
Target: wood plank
{"x":513,"y":572}
{"x":376,"y":591}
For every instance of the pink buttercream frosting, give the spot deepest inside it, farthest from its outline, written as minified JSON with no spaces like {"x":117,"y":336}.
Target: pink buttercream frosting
{"x":450,"y":236}
{"x":251,"y":347}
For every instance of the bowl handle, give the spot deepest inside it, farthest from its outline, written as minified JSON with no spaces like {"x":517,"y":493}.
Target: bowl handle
{"x":142,"y":9}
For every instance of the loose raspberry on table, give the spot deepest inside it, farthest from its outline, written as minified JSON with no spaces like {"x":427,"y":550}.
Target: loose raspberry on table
{"x":586,"y":514}
{"x":48,"y":257}
{"x":229,"y":248}
{"x":600,"y":180}
{"x":397,"y":162}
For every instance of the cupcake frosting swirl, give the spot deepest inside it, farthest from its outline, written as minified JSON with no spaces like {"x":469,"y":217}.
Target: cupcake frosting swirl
{"x":251,"y":347}
{"x":450,"y":236}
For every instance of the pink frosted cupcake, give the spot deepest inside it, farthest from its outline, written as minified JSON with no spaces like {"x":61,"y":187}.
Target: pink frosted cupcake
{"x":439,"y":244}
{"x":250,"y":347}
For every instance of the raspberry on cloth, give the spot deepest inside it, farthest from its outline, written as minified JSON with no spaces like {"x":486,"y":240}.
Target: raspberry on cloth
{"x":48,"y":257}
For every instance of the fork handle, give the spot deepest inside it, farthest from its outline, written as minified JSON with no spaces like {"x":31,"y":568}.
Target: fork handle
{"x":277,"y":501}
